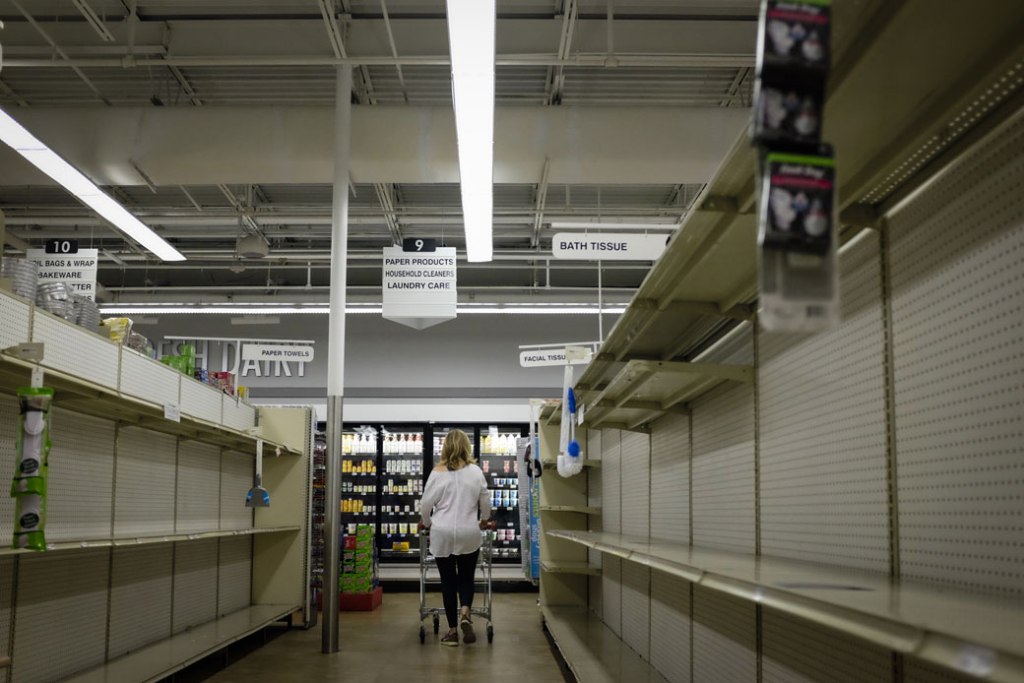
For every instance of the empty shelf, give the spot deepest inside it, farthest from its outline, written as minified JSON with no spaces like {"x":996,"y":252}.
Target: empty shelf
{"x":163,"y":658}
{"x":940,"y":624}
{"x":644,"y":390}
{"x":592,"y":651}
{"x":58,"y":546}
{"x":89,"y":398}
{"x":571,"y":508}
{"x":569,"y":568}
{"x":586,"y":463}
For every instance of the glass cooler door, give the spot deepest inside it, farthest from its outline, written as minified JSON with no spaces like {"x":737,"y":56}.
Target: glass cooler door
{"x":401,"y":487}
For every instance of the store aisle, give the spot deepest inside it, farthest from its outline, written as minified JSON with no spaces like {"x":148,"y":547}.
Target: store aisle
{"x":384,"y":646}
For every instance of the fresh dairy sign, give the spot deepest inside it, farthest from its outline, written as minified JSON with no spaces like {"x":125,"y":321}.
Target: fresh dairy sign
{"x":419,"y":287}
{"x":77,"y":270}
{"x":607,"y":247}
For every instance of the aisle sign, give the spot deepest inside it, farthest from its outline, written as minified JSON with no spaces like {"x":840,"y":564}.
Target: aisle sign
{"x":538,"y":358}
{"x":61,"y":246}
{"x":277,"y":352}
{"x":576,"y":246}
{"x":419,"y":244}
{"x":419,"y":289}
{"x":77,"y":270}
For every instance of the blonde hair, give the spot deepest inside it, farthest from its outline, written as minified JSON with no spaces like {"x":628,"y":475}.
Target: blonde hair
{"x":456,"y":452}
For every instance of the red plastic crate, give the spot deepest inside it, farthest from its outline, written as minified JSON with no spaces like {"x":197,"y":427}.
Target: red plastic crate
{"x":361,"y":602}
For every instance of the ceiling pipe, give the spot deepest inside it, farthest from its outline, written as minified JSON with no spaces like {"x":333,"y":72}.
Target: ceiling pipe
{"x":667,"y":61}
{"x":524,"y":217}
{"x":625,"y":291}
{"x":120,"y":264}
{"x":368,"y":297}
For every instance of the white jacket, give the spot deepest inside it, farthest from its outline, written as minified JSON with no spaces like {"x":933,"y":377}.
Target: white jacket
{"x":453,"y":504}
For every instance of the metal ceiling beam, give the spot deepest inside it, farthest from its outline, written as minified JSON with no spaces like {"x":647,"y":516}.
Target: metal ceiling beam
{"x":662,"y":61}
{"x":394,"y":49}
{"x":542,"y":198}
{"x":185,"y":85}
{"x":190,"y":198}
{"x":245,"y":213}
{"x":212,"y":217}
{"x":734,"y":87}
{"x":93,"y":20}
{"x":333,"y":29}
{"x":66,"y":62}
{"x":73,"y":51}
{"x":9,"y":91}
{"x":385,"y":192}
{"x":556,"y":74}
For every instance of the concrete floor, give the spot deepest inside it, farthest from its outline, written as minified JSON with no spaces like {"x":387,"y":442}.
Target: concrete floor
{"x":384,"y":645}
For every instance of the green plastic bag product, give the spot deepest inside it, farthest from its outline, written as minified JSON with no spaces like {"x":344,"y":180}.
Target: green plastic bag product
{"x":33,"y":452}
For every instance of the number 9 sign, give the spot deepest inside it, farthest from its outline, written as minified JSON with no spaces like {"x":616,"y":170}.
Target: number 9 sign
{"x":419,"y":244}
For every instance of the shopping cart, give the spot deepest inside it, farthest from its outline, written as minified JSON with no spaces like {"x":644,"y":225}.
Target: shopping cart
{"x":483,"y":585}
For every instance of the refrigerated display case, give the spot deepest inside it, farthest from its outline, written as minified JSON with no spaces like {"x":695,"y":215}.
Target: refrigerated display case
{"x":494,"y":448}
{"x":316,"y":569}
{"x":439,"y":432}
{"x":385,"y":468}
{"x":401,"y":487}
{"x":358,"y":478}
{"x":501,"y":469}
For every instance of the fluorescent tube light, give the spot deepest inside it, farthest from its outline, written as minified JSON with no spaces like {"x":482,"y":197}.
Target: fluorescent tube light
{"x":50,"y":163}
{"x":256,"y":309}
{"x":471,"y":27}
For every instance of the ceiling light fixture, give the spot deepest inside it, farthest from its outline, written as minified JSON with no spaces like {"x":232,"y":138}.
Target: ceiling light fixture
{"x":471,"y":27}
{"x":257,"y":309}
{"x":50,"y":163}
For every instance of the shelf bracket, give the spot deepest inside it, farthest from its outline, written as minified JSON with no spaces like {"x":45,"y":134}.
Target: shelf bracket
{"x":717,"y":203}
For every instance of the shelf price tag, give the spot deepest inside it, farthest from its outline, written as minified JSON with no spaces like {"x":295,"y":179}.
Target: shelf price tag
{"x":172,"y":411}
{"x":976,"y":660}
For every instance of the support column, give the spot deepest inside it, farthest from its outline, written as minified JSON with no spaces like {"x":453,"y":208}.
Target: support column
{"x":336,"y":358}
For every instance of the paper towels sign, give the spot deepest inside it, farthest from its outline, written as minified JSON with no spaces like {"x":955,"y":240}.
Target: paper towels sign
{"x":277,"y":352}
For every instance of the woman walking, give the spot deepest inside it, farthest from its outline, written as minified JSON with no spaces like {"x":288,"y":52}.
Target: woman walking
{"x":456,"y":505}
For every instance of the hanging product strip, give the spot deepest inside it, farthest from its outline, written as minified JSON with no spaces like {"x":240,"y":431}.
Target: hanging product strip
{"x":797,"y":239}
{"x":29,"y":484}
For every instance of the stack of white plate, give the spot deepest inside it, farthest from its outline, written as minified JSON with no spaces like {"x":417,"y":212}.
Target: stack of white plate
{"x":25,"y":275}
{"x":87,"y":313}
{"x":55,"y":297}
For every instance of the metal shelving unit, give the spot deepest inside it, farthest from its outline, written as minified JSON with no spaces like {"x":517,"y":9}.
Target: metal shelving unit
{"x":592,"y":651}
{"x":145,"y":512}
{"x":767,"y":514}
{"x":157,"y":661}
{"x":909,"y":617}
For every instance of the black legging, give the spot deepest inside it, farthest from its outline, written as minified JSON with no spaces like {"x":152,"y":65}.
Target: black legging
{"x":457,"y":573}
